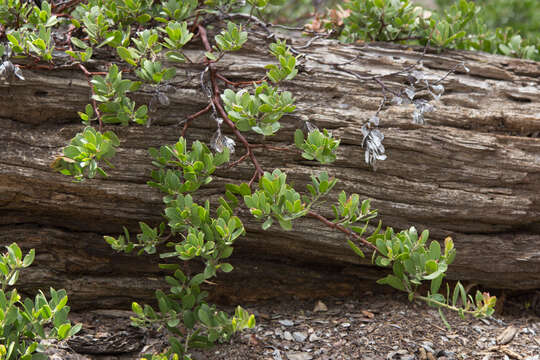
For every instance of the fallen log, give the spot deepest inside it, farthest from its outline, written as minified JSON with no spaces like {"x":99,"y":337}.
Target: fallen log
{"x":472,"y":172}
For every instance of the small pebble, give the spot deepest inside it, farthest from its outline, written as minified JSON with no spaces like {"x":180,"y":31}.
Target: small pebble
{"x":299,"y":336}
{"x":287,"y":336}
{"x":299,"y":356}
{"x":507,"y":335}
{"x":428,"y":346}
{"x":446,"y":354}
{"x":320,"y":307}
{"x":286,"y":322}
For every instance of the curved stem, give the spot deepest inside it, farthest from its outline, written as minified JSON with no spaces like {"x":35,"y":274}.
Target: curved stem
{"x":444,"y":305}
{"x":341,"y":228}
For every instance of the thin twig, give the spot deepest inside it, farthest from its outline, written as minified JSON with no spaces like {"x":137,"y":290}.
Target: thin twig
{"x":308,"y":44}
{"x":452,"y":70}
{"x":238,"y":161}
{"x":344,"y":230}
{"x":191,"y":117}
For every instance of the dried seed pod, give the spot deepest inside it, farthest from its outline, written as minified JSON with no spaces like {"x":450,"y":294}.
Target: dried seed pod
{"x":163,"y":99}
{"x":437,"y":89}
{"x":219,"y":142}
{"x":8,"y":71}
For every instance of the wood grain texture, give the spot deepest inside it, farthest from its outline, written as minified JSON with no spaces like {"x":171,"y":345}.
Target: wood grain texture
{"x":472,"y":172}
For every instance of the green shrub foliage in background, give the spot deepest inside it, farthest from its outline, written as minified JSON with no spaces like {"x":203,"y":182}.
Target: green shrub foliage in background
{"x":520,"y":15}
{"x":25,"y":322}
{"x":145,"y":39}
{"x":460,"y":24}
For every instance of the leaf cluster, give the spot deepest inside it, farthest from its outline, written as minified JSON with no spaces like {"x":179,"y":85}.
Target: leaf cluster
{"x":115,"y":106}
{"x":259,"y":112}
{"x":80,"y":158}
{"x":23,"y":323}
{"x":176,"y":10}
{"x":13,"y":13}
{"x":231,"y":39}
{"x":30,"y":31}
{"x":180,"y":170}
{"x":413,"y":262}
{"x":286,"y":69}
{"x":520,"y":15}
{"x":349,"y":211}
{"x":262,"y":111}
{"x":178,"y":35}
{"x":98,"y":16}
{"x":275,"y":200}
{"x":459,"y":26}
{"x":320,"y":146}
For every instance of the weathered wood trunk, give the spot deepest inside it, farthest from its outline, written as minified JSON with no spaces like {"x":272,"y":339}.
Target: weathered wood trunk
{"x":473,"y":172}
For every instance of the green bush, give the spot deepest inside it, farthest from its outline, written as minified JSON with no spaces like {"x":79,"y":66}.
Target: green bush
{"x":515,"y":21}
{"x":24,"y":322}
{"x":145,"y":37}
{"x":520,"y":15}
{"x":458,"y":25}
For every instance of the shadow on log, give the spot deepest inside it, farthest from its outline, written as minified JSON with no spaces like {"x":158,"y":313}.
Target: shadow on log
{"x":472,"y":172}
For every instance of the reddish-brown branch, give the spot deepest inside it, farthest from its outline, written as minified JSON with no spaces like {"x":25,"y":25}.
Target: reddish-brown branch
{"x":342,"y":229}
{"x":64,"y":15}
{"x":253,"y":178}
{"x":236,"y":162}
{"x":35,"y":65}
{"x":204,"y":37}
{"x":217,"y":102}
{"x":191,"y":117}
{"x":195,"y":23}
{"x":92,"y":73}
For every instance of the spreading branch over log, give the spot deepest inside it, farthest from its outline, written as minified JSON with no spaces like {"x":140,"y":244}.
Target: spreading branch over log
{"x":472,"y":172}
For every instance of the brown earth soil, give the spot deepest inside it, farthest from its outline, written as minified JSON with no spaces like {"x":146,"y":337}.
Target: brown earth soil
{"x":372,"y":327}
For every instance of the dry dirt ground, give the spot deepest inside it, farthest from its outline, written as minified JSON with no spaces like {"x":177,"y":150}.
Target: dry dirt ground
{"x":371,"y":327}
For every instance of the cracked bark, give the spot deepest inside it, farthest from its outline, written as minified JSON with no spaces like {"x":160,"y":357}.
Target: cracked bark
{"x":473,"y":173}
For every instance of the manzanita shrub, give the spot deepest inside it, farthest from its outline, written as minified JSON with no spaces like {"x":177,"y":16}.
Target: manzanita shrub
{"x":145,"y":38}
{"x":460,"y":25}
{"x":26,"y":322}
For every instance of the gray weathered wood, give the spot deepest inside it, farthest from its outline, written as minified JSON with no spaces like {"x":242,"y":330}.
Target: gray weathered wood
{"x":473,"y":173}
